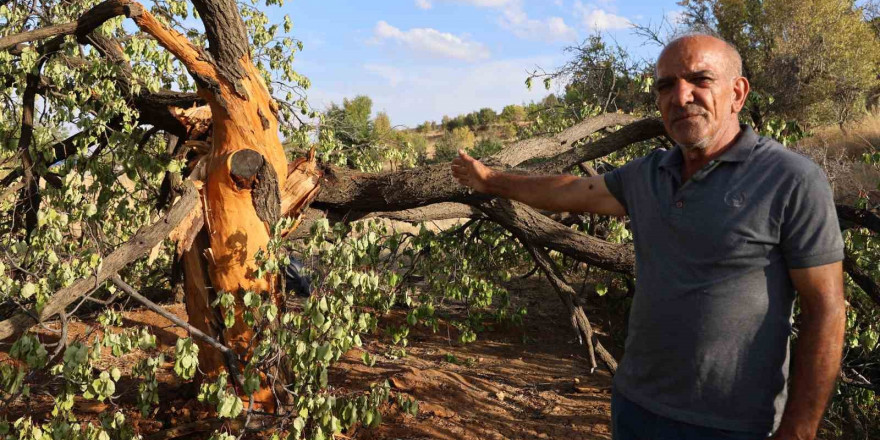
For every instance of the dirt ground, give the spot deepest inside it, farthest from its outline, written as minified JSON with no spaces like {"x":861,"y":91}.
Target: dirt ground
{"x":518,"y":382}
{"x":532,"y":382}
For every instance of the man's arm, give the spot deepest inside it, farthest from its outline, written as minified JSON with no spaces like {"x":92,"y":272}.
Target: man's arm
{"x":818,"y":350}
{"x":562,"y":193}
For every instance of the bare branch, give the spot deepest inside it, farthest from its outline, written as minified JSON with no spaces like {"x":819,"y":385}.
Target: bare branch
{"x":227,"y":39}
{"x":578,"y":317}
{"x":231,"y":357}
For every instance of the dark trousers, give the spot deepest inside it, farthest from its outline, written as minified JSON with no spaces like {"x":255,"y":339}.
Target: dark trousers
{"x":630,"y":421}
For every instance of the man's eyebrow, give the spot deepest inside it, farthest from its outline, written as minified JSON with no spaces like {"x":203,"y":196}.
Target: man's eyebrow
{"x":689,"y":75}
{"x":700,"y":73}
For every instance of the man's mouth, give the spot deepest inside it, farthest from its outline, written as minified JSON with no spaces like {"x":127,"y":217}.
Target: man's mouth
{"x":686,"y":117}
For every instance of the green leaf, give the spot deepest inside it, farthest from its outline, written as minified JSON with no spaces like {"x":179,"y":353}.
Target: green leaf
{"x":28,"y":290}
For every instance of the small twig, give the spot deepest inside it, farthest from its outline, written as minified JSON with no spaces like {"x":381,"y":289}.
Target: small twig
{"x":231,"y":357}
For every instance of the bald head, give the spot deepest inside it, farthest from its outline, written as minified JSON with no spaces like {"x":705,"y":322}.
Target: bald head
{"x":700,"y":91}
{"x":733,"y":60}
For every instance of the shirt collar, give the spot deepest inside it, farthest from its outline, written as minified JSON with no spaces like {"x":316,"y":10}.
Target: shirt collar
{"x":738,"y":152}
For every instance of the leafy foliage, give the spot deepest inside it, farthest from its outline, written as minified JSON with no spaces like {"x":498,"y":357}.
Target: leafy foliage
{"x":816,"y":59}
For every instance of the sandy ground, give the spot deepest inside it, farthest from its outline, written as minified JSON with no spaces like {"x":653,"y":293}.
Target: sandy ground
{"x":514,"y":382}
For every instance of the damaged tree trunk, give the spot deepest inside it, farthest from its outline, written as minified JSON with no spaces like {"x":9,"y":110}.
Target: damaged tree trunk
{"x":245,"y":172}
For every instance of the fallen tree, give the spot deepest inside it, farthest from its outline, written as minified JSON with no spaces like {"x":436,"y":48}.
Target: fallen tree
{"x":239,"y":186}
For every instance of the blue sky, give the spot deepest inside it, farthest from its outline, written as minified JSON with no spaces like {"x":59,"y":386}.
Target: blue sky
{"x":422,"y":59}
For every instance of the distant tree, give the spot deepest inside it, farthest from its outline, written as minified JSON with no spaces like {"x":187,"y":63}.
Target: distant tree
{"x":550,"y":101}
{"x":472,"y":120}
{"x":456,"y":122}
{"x":461,"y":138}
{"x":600,"y":76}
{"x":382,"y":127}
{"x":487,"y":116}
{"x":513,"y":113}
{"x":351,"y":122}
{"x":815,"y":61}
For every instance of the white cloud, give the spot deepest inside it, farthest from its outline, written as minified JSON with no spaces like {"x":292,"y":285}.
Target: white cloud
{"x":423,"y":4}
{"x":596,"y":19}
{"x":432,"y":42}
{"x":517,"y":21}
{"x":514,"y":18}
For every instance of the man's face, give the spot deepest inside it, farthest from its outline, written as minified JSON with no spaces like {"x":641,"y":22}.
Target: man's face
{"x":696,"y":91}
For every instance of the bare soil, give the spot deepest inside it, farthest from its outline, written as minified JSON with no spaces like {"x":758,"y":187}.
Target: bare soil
{"x":514,"y":382}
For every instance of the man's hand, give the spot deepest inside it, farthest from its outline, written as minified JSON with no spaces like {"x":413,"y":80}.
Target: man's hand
{"x":562,"y":193}
{"x":471,"y":172}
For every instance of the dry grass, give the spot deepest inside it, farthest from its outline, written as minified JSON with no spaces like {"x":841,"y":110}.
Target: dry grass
{"x":840,"y":150}
{"x":854,"y":139}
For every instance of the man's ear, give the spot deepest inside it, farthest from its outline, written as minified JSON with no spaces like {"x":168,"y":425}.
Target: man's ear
{"x":740,"y":93}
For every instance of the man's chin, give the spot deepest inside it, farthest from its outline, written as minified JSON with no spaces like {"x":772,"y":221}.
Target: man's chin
{"x":692,"y":143}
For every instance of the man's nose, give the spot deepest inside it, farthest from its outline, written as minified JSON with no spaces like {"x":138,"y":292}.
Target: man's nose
{"x":682,"y":93}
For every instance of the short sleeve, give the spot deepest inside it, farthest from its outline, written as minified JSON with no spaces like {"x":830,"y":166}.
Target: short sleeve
{"x":810,"y":234}
{"x":617,"y":179}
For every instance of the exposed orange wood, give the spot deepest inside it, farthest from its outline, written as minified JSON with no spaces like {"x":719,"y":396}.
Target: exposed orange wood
{"x":173,"y":41}
{"x":243,"y":117}
{"x":241,"y":121}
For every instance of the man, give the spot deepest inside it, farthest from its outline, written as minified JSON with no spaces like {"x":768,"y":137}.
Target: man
{"x":726,"y":227}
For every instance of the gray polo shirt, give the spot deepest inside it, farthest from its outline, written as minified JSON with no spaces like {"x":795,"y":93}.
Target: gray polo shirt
{"x":709,"y":328}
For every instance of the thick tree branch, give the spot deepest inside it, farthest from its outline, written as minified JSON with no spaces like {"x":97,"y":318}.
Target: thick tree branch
{"x":541,"y":231}
{"x":346,"y":189}
{"x":136,"y":247}
{"x":30,"y":197}
{"x":549,"y":146}
{"x":29,"y":203}
{"x":192,"y":57}
{"x":227,"y":39}
{"x":89,"y":21}
{"x":438,"y":211}
{"x":638,"y":131}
